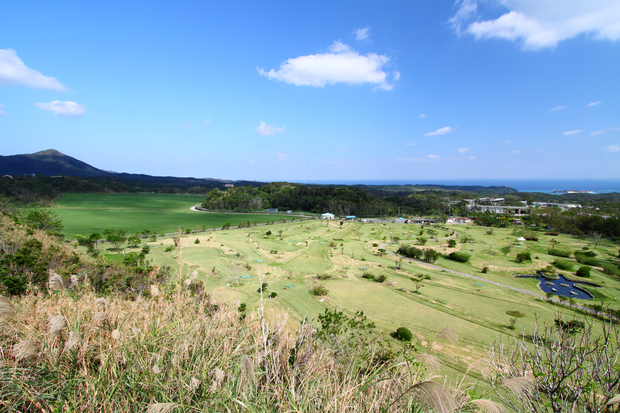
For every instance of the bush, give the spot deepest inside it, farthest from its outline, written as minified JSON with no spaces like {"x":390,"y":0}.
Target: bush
{"x":197,"y":241}
{"x":318,"y":290}
{"x":563,"y":264}
{"x":323,"y":276}
{"x":559,"y":253}
{"x":242,"y":307}
{"x":611,"y":269}
{"x":452,"y":243}
{"x":587,"y":258}
{"x":431,"y":255}
{"x":367,"y":275}
{"x":583,"y":272}
{"x":459,"y":256}
{"x":273,"y":294}
{"x":485,"y":269}
{"x":517,"y":314}
{"x":262,"y":288}
{"x":380,"y":278}
{"x":169,"y":248}
{"x":411,"y":252}
{"x":524,"y":257}
{"x":404,"y":334}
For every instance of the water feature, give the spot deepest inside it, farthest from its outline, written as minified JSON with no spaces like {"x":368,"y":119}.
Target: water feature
{"x":564,"y":287}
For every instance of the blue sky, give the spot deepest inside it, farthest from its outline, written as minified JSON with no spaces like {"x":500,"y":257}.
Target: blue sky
{"x":316,"y":90}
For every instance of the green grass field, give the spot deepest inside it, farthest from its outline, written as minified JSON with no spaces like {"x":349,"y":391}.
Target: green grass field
{"x":296,"y":252}
{"x":161,"y":213}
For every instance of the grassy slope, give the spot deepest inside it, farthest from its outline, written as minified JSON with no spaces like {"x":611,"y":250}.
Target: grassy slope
{"x":477,"y":312}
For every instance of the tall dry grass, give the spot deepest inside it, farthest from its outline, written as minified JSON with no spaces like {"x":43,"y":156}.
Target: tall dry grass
{"x":71,"y":350}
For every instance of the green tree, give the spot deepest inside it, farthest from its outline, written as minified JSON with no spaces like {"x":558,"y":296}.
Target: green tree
{"x":43,"y":220}
{"x":115,"y":237}
{"x":133,"y":241}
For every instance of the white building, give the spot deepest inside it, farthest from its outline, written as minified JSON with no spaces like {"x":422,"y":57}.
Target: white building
{"x":327,"y":215}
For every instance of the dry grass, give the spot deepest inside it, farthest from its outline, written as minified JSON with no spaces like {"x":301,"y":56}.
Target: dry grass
{"x":175,"y":351}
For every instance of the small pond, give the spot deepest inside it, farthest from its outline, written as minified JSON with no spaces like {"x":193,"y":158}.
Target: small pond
{"x":564,"y":287}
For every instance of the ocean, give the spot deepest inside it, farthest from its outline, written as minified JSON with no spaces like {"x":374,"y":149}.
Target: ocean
{"x":599,"y":186}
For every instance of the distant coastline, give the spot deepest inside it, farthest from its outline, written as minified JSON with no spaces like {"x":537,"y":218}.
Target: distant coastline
{"x":550,"y":186}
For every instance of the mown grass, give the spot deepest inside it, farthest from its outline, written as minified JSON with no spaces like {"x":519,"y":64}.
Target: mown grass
{"x":161,"y":213}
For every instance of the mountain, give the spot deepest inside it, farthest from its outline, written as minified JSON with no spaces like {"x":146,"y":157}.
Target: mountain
{"x":53,"y":163}
{"x":50,"y":163}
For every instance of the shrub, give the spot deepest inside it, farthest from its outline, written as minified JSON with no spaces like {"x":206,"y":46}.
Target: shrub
{"x":587,"y":258}
{"x":485,"y":269}
{"x":318,"y":290}
{"x":559,"y":253}
{"x":380,"y":278}
{"x":374,"y":244}
{"x":552,"y":233}
{"x":242,"y":307}
{"x":524,"y":257}
{"x":583,"y":272}
{"x":517,"y":314}
{"x":452,"y":243}
{"x":611,"y":269}
{"x":411,"y":252}
{"x":273,"y":294}
{"x":262,"y":288}
{"x":323,"y":276}
{"x":169,"y":248}
{"x":563,"y":264}
{"x":459,"y":256}
{"x":197,"y":241}
{"x":430,"y":255}
{"x":367,"y":275}
{"x":404,"y":334}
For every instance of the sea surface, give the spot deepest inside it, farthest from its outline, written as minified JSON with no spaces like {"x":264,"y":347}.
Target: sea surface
{"x":599,"y":186}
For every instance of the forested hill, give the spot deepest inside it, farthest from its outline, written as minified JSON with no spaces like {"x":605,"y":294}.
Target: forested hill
{"x":344,"y":200}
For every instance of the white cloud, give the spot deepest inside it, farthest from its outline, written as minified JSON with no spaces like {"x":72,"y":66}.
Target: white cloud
{"x":206,"y":122}
{"x":362,"y":33}
{"x":537,"y":24}
{"x":396,"y":75}
{"x":472,"y":157}
{"x":281,"y":156}
{"x":268,"y":130}
{"x":64,"y":108}
{"x":463,"y":150}
{"x":422,"y":115}
{"x":557,"y":108}
{"x":14,"y":72}
{"x":603,"y":131}
{"x":440,"y":131}
{"x":507,"y":141}
{"x":573,"y":132}
{"x":187,"y":126}
{"x":613,"y":148}
{"x":343,"y":149}
{"x":433,"y":156}
{"x":589,"y":105}
{"x":411,"y":144}
{"x":2,"y":112}
{"x":341,"y":65}
{"x":516,"y":151}
{"x":179,"y":161}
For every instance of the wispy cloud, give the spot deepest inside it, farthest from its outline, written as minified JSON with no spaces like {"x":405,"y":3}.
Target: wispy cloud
{"x":362,"y":33}
{"x":433,"y":156}
{"x":268,"y":130}
{"x":613,"y":148}
{"x":539,"y":24}
{"x":604,"y":131}
{"x":343,"y":149}
{"x":178,"y":161}
{"x":187,"y":126}
{"x":281,"y":156}
{"x":516,"y":151}
{"x":463,"y":150}
{"x":440,"y":131}
{"x":472,"y":158}
{"x":557,"y":108}
{"x":14,"y":72}
{"x":422,"y":115}
{"x":206,"y":122}
{"x":589,"y":105}
{"x":573,"y":132}
{"x":341,"y":65}
{"x":411,"y":144}
{"x":64,"y":108}
{"x":2,"y":112}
